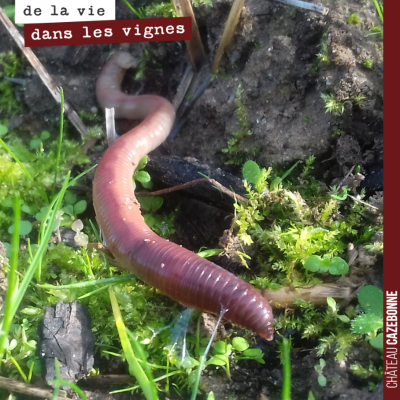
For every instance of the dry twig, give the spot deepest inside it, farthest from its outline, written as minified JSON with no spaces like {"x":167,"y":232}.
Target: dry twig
{"x":28,"y":389}
{"x":192,"y":183}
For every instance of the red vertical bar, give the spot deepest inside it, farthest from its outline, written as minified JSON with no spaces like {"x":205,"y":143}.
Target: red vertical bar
{"x":392,"y":197}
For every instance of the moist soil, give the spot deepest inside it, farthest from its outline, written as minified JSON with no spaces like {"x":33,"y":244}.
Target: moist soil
{"x":273,"y":56}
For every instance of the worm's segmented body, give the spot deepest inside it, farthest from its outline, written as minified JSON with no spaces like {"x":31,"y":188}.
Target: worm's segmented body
{"x":175,"y":271}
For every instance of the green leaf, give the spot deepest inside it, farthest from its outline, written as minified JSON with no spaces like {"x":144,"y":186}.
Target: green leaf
{"x":142,"y":163}
{"x":377,"y":342}
{"x":331,"y":302}
{"x":24,"y":228}
{"x":253,"y":353}
{"x":310,"y":396}
{"x":35,"y":143}
{"x":150,"y":220}
{"x":150,"y":204}
{"x":338,"y":266}
{"x":189,"y":363}
{"x":240,"y":344}
{"x":371,"y":300}
{"x":220,"y":347}
{"x":211,"y":396}
{"x":251,"y":171}
{"x":12,"y":345}
{"x":37,"y":369}
{"x":142,"y":177}
{"x":219,"y":360}
{"x":366,"y":323}
{"x":42,"y":213}
{"x":68,"y":209}
{"x":70,"y":198}
{"x":31,"y":311}
{"x":31,"y":210}
{"x":8,"y":249}
{"x":344,"y":318}
{"x":80,"y":207}
{"x":322,"y":362}
{"x":210,"y":253}
{"x":313,"y":263}
{"x":321,"y":380}
{"x":45,"y":135}
{"x":147,"y":185}
{"x":3,"y":130}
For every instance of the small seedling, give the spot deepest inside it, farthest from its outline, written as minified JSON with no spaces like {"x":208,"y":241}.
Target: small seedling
{"x":332,"y":305}
{"x":323,"y":54}
{"x":332,"y":104}
{"x":368,"y":63}
{"x":366,"y":373}
{"x":308,"y":166}
{"x":37,"y":141}
{"x":358,"y":99}
{"x":378,"y":30}
{"x":337,"y":132}
{"x":334,"y":265}
{"x":235,"y":144}
{"x":319,"y":368}
{"x":371,"y":301}
{"x":243,"y":352}
{"x":239,"y":347}
{"x":142,"y":176}
{"x":354,"y":19}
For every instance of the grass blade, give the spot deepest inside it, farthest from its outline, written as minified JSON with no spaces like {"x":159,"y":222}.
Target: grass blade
{"x":135,"y":369}
{"x":286,"y":368}
{"x":11,"y":277}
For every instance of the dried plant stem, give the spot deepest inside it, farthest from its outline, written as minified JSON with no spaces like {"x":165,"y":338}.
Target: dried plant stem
{"x":229,"y":29}
{"x":195,"y":46}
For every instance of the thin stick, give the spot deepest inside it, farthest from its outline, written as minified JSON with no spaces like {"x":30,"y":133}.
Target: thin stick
{"x":229,"y":30}
{"x":28,"y":389}
{"x":183,"y":87}
{"x":363,"y":202}
{"x":195,"y":46}
{"x":222,"y":188}
{"x":44,"y":75}
{"x":110,"y":126}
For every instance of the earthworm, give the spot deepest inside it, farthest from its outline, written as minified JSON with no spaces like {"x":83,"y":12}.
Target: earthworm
{"x":175,"y":271}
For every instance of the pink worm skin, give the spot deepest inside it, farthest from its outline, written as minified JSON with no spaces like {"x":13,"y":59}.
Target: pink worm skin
{"x":175,"y":271}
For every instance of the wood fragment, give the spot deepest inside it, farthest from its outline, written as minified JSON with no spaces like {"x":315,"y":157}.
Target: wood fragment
{"x":195,"y":46}
{"x":229,"y":30}
{"x":29,"y":389}
{"x":44,"y":75}
{"x":317,"y":294}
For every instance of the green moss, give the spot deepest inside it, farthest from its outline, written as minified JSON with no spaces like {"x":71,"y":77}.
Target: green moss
{"x":235,"y":145}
